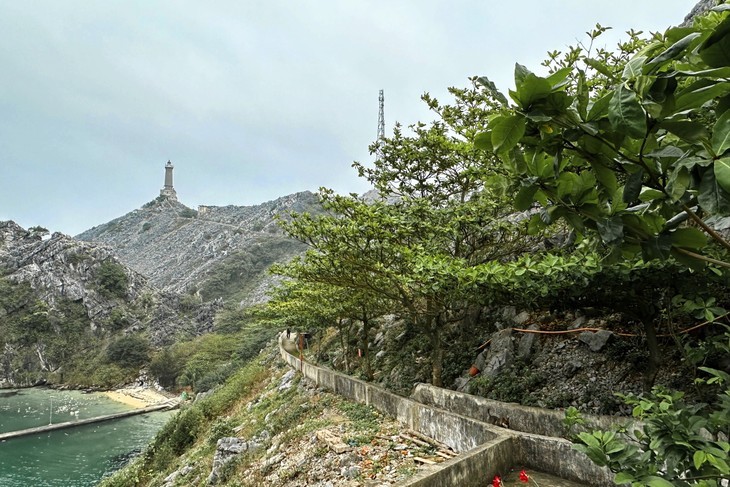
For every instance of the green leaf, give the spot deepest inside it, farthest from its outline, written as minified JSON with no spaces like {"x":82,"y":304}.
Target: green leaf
{"x":483,"y":141}
{"x":633,"y":186}
{"x":650,"y":194}
{"x":492,"y":89}
{"x":525,"y":197}
{"x":521,"y":72}
{"x":688,"y":237}
{"x":611,"y":230}
{"x":531,"y":89}
{"x":679,"y":181}
{"x":674,"y":51}
{"x":582,"y":95}
{"x":715,"y":51}
{"x":686,"y":130}
{"x":626,"y":114}
{"x":598,"y":66}
{"x":606,"y":177}
{"x":698,"y":93}
{"x":535,"y":225}
{"x":722,"y":173}
{"x":721,"y":134}
{"x":653,"y":481}
{"x":599,"y":108}
{"x":699,"y":458}
{"x":559,"y":77}
{"x":711,"y":196}
{"x":634,"y":67}
{"x":623,"y":478}
{"x":507,"y":131}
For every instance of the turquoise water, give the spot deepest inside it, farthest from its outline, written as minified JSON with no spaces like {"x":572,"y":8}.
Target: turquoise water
{"x":71,"y":457}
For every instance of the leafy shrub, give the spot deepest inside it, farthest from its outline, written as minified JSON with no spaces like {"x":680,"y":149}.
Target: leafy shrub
{"x":117,"y":319}
{"x":166,"y":367}
{"x":128,"y":351}
{"x":220,"y":429}
{"x":186,"y":429}
{"x":111,"y":279}
{"x":188,"y":213}
{"x":509,"y":386}
{"x":146,"y":226}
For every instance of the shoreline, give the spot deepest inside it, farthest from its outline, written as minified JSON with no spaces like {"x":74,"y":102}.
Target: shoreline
{"x":138,"y":396}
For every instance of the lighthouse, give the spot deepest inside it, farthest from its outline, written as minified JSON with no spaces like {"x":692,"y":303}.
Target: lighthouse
{"x":168,"y":191}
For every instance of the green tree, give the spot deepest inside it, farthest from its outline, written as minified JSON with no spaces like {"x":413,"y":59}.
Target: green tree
{"x":633,"y":148}
{"x":633,"y":156}
{"x":128,"y":351}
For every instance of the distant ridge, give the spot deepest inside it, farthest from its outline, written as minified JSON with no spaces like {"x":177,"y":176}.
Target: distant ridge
{"x":216,"y":251}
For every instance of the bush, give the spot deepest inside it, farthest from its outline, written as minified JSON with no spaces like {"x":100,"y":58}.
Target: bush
{"x":166,"y":367}
{"x":128,"y":351}
{"x":111,"y":279}
{"x":188,"y":213}
{"x":186,"y":429}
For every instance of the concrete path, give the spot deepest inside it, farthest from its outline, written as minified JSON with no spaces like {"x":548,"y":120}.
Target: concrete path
{"x":173,"y":403}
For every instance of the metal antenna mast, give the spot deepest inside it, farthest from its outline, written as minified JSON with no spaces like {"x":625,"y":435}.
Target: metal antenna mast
{"x":381,"y":121}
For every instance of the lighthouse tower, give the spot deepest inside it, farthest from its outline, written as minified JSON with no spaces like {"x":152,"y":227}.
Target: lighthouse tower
{"x":168,"y":191}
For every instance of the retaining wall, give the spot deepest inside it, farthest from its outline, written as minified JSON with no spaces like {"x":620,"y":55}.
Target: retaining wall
{"x":528,"y":419}
{"x":485,"y":449}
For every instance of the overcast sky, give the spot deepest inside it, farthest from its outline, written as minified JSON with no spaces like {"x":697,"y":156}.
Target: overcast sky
{"x":250,"y":100}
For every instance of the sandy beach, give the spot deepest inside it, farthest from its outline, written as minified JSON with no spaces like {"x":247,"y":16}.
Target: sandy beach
{"x":138,"y":396}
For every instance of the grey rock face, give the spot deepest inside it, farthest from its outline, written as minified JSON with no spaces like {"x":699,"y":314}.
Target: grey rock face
{"x":527,"y":343}
{"x":60,"y":268}
{"x":595,"y":340}
{"x":178,"y":248}
{"x":501,"y":353}
{"x":227,"y":450}
{"x":701,"y":7}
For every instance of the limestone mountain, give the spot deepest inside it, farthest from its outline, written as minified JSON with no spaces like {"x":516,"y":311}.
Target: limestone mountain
{"x":216,"y":251}
{"x":63,"y":302}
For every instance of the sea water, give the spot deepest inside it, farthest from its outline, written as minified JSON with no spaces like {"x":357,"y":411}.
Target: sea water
{"x":72,"y":457}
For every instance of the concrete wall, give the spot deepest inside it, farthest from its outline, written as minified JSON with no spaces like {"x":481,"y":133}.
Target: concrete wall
{"x":539,"y":421}
{"x":459,"y":421}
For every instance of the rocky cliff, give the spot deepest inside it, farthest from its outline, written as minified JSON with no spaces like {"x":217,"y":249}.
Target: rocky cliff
{"x":60,"y":296}
{"x":217,"y":251}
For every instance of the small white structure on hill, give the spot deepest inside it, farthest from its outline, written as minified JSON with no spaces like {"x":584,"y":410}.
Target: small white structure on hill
{"x":168,"y":191}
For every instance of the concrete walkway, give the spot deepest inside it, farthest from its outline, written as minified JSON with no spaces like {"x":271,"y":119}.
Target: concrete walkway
{"x":171,"y":404}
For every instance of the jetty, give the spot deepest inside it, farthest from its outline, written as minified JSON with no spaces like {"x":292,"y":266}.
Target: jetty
{"x":170,"y":404}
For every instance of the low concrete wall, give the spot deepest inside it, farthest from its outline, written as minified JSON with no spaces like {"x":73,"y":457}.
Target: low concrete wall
{"x":453,"y":419}
{"x":458,"y":432}
{"x":474,"y":468}
{"x":539,"y":421}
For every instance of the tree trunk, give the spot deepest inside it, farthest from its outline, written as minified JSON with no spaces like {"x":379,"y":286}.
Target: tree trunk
{"x":366,"y":346}
{"x":437,"y":353}
{"x":344,"y":339}
{"x":654,"y":360}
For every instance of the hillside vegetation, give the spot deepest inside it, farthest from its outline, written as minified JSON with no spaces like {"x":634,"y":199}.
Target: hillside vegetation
{"x":598,"y":188}
{"x":216,"y":252}
{"x":593,"y":198}
{"x":266,"y":426}
{"x":70,"y":313}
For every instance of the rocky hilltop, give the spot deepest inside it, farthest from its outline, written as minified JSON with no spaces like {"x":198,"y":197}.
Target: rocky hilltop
{"x":216,"y":251}
{"x":60,"y":295}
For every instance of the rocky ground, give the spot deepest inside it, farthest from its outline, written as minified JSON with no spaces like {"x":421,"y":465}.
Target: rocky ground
{"x":571,"y":361}
{"x":292,"y":433}
{"x":179,"y":248}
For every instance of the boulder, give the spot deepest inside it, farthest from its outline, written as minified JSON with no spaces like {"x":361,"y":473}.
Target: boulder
{"x":501,"y":353}
{"x":595,"y":340}
{"x":527,"y":343}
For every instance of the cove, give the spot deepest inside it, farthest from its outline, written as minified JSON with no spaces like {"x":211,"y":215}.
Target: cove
{"x":73,"y":457}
